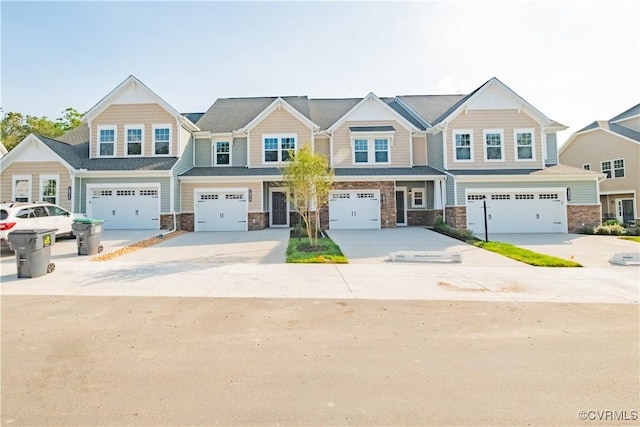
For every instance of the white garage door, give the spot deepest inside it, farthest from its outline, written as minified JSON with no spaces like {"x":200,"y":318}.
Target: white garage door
{"x":540,"y":211}
{"x":126,"y":208}
{"x":221,"y":210}
{"x":357,"y":209}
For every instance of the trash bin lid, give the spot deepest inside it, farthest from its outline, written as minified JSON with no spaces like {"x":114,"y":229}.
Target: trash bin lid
{"x":88,"y":221}
{"x":33,"y":231}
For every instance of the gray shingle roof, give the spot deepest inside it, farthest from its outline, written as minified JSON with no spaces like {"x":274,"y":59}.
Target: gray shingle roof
{"x":232,"y":171}
{"x":613,"y":127}
{"x":553,"y":170}
{"x":430,"y":107}
{"x":372,"y":128}
{"x":391,"y":102}
{"x":325,"y":112}
{"x":633,"y":111}
{"x":193,"y":117}
{"x":340,"y":172}
{"x":76,"y":135}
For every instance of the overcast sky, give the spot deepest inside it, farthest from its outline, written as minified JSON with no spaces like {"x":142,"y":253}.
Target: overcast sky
{"x":575,"y":61}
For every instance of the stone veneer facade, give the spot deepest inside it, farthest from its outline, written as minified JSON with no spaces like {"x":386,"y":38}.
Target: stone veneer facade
{"x":423,"y":217}
{"x":456,"y":216}
{"x":580,"y":216}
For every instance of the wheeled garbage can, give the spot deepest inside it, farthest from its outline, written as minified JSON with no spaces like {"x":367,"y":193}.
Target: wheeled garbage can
{"x":88,"y":232}
{"x":33,"y":251}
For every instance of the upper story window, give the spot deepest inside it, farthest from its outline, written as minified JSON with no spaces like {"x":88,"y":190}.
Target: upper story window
{"x":493,"y":143}
{"x":361,"y":151}
{"x":276,"y":148}
{"x":417,"y":195}
{"x":463,"y":145}
{"x":106,"y":141}
{"x":223,"y":153}
{"x":134,"y":137}
{"x":586,"y":166}
{"x":371,"y":149}
{"x":161,"y":140}
{"x":618,"y":168}
{"x":381,"y":147}
{"x":524,"y":144}
{"x":606,"y":168}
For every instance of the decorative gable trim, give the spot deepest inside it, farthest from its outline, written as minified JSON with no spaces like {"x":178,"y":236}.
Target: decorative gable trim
{"x":279,"y":104}
{"x":30,"y":142}
{"x":373,"y":98}
{"x":136,"y":90}
{"x":490,"y":88}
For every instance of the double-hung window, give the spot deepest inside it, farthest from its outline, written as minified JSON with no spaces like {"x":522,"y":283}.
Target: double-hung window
{"x":417,"y":195}
{"x":524,"y":141}
{"x":134,"y":137}
{"x":493,"y":142}
{"x":161,"y":140}
{"x":371,"y":149}
{"x":277,"y":148}
{"x":21,"y":188}
{"x":606,"y":168}
{"x":463,"y":145}
{"x":106,"y":141}
{"x":49,"y":188}
{"x":223,"y":153}
{"x":618,"y":168}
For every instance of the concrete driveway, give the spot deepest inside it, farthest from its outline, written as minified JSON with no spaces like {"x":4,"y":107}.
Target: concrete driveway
{"x":374,"y":246}
{"x":590,"y":251}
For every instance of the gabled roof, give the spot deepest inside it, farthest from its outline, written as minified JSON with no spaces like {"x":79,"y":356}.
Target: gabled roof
{"x":300,"y":112}
{"x":430,"y":107}
{"x":131,"y":83}
{"x":326,"y":112}
{"x":62,"y":151}
{"x":76,"y":135}
{"x":631,"y":112}
{"x":459,"y":106}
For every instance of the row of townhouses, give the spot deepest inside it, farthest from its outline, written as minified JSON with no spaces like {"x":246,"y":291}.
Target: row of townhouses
{"x":409,"y":160}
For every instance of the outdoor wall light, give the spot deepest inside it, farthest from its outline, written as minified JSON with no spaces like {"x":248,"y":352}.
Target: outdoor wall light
{"x":250,"y":195}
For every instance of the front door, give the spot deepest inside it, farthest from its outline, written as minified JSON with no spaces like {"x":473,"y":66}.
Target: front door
{"x":625,"y":213}
{"x":401,"y":217}
{"x":279,"y":209}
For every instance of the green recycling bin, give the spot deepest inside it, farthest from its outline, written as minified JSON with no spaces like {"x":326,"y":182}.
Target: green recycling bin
{"x":33,"y":251}
{"x":88,"y":232}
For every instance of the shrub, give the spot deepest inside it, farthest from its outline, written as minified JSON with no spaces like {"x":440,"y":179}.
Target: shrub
{"x":585,"y":230}
{"x":611,"y":222}
{"x":632,"y":231}
{"x":611,"y":229}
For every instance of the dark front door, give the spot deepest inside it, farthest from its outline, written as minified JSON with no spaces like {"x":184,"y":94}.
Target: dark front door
{"x":278,"y":208}
{"x":400,"y":207}
{"x":627,"y":213}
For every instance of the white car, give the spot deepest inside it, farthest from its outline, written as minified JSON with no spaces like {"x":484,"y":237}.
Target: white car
{"x":26,"y":216}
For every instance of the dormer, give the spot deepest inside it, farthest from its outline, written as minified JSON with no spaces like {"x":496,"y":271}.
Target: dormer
{"x":133,"y":122}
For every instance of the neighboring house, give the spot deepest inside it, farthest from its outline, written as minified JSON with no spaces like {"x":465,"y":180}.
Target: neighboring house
{"x":408,"y":160}
{"x":613,"y":148}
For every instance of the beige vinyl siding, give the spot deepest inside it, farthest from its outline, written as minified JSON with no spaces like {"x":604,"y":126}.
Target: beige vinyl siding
{"x":582,"y":192}
{"x":597,"y":146}
{"x":134,"y":114}
{"x":480,"y":120}
{"x":35,"y":170}
{"x":419,"y":151}
{"x":322,"y":146}
{"x":631,"y":123}
{"x":278,"y":122}
{"x":255,"y":205}
{"x":343,"y":152}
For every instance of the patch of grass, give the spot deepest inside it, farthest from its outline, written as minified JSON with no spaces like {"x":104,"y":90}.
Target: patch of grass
{"x":632,"y":238}
{"x":525,"y":255}
{"x":327,"y":253}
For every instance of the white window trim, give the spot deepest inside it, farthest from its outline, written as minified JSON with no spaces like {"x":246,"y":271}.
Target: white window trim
{"x":613,"y":169}
{"x":588,"y":166}
{"x":15,"y":178}
{"x":453,"y":142}
{"x":484,"y":144}
{"x":214,"y":151}
{"x":115,"y":140}
{"x":54,"y":177}
{"x":515,"y":144}
{"x":279,"y":136}
{"x":153,"y":137}
{"x":126,"y":141}
{"x":610,"y":168}
{"x":371,"y":137}
{"x":413,"y":197}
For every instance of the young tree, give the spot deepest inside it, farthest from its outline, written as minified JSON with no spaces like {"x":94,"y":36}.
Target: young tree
{"x":308,"y":179}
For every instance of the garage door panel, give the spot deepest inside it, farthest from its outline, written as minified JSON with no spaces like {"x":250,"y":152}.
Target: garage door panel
{"x":221,"y":211}
{"x":354,"y":209}
{"x":522,"y":212}
{"x":126,"y":208}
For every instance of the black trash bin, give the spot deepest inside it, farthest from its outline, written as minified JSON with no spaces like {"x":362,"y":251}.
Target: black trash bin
{"x":33,"y":251}
{"x":88,"y":233}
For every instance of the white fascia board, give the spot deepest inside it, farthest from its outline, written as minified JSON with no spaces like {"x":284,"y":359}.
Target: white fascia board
{"x":524,"y":178}
{"x":624,"y":119}
{"x":119,"y":174}
{"x":279,"y":103}
{"x":242,"y":179}
{"x":8,"y":159}
{"x":609,"y":193}
{"x":372,"y":96}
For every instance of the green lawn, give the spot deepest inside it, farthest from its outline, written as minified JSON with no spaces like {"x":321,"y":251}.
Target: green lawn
{"x":329,"y":253}
{"x":632,"y":238}
{"x":525,"y":255}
